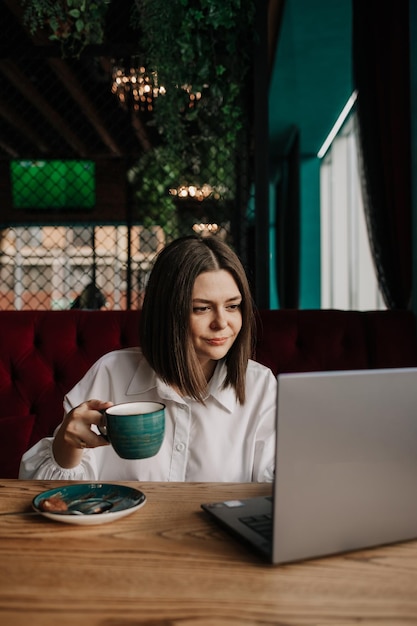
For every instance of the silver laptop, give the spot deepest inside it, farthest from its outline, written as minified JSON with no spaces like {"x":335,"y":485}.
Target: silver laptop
{"x":346,"y":467}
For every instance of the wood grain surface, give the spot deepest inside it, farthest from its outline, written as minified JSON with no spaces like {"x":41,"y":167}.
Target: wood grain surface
{"x":167,"y":564}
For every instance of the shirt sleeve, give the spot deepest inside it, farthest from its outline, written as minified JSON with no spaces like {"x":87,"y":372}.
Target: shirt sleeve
{"x":38,"y":463}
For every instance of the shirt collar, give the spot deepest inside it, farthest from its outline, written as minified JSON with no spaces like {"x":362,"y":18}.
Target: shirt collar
{"x":224,"y":396}
{"x":144,"y":379}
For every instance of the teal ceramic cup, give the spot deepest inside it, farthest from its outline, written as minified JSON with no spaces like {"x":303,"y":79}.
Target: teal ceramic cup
{"x":135,"y":429}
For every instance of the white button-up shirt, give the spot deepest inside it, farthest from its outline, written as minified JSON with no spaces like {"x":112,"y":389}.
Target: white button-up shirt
{"x":221,"y":441}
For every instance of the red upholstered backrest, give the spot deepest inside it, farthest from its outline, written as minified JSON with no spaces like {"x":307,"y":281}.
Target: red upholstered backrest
{"x":44,"y":353}
{"x":320,"y":340}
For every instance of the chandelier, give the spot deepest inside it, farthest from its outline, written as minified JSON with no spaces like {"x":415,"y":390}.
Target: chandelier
{"x":205,"y":229}
{"x":136,"y":86}
{"x":194,"y":192}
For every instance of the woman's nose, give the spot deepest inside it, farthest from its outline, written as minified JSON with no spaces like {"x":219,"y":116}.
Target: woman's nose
{"x":219,"y":320}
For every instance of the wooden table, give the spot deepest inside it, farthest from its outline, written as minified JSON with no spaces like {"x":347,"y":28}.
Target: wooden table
{"x":169,"y":565}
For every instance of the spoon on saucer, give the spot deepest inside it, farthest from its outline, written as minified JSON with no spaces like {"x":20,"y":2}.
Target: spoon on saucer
{"x":78,"y":508}
{"x":89,"y":507}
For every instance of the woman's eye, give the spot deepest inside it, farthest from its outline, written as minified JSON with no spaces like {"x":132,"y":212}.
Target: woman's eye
{"x":206,"y":308}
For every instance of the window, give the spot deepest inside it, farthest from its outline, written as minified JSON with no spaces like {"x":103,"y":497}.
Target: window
{"x":51,"y":266}
{"x":348,"y":279}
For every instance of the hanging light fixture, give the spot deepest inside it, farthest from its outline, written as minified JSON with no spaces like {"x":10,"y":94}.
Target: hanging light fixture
{"x":194,"y":192}
{"x":205,"y":229}
{"x":136,"y":86}
{"x":197,"y":194}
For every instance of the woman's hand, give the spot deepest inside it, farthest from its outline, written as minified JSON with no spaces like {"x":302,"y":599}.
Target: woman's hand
{"x":75,"y":433}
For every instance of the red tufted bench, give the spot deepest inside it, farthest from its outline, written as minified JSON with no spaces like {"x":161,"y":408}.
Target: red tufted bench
{"x":44,"y":353}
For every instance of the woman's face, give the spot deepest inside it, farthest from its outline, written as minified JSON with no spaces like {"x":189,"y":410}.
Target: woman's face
{"x":216,"y":317}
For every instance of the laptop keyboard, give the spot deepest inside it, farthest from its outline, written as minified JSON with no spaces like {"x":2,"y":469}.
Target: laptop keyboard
{"x":261,"y":524}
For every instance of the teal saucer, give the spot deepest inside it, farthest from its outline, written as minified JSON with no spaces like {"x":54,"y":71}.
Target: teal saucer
{"x":91,"y":503}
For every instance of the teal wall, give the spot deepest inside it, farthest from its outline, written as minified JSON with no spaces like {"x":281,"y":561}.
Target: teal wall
{"x":310,"y":267}
{"x":273,"y":290}
{"x":310,"y":234}
{"x":310,"y":84}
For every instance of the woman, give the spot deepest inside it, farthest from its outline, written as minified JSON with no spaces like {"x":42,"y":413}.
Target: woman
{"x":197,"y":327}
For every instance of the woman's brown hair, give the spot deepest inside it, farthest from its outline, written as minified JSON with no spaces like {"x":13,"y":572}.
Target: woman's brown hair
{"x":165,"y":320}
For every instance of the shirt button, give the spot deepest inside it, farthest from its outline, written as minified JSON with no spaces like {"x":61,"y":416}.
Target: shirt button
{"x":180,"y":447}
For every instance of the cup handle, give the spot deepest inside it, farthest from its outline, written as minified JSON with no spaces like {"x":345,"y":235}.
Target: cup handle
{"x":102,"y":427}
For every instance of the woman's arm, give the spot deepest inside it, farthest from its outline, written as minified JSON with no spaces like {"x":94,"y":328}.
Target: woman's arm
{"x":75,"y":433}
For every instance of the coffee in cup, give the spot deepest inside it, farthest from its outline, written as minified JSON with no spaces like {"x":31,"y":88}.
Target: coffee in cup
{"x":134,"y":429}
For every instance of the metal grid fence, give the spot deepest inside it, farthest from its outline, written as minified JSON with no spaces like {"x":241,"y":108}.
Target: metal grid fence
{"x":89,"y":189}
{"x":78,"y":266}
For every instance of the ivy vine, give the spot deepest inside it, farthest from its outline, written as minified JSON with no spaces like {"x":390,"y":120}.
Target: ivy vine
{"x":75,"y":24}
{"x":201,"y":51}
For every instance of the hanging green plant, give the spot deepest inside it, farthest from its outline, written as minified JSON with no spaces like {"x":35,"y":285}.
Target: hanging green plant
{"x":151,"y":177}
{"x":73,"y":23}
{"x":201,"y":52}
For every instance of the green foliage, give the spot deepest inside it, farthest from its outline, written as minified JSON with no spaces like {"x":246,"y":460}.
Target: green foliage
{"x":152,"y":177}
{"x":205,"y":45}
{"x":73,"y":23}
{"x":197,"y":48}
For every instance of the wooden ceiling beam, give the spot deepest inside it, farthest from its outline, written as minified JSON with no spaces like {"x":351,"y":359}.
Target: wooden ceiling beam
{"x":17,"y":121}
{"x":140,"y":132}
{"x":73,"y":86}
{"x":13,"y":73}
{"x":11,"y":152}
{"x":138,"y":126}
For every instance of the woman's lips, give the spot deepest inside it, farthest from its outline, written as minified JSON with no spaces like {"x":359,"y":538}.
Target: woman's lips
{"x":217,"y":342}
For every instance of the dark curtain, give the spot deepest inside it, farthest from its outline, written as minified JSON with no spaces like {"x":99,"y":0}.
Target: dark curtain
{"x":381,"y":73}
